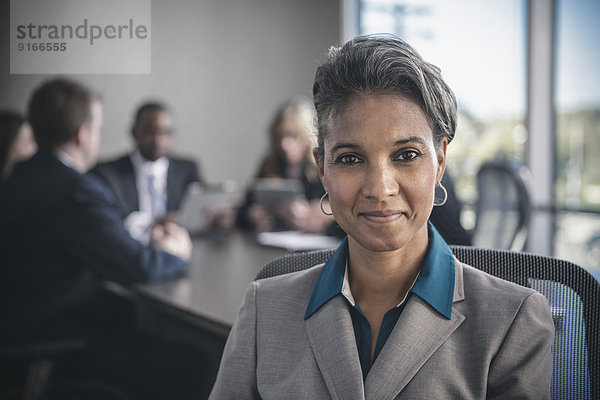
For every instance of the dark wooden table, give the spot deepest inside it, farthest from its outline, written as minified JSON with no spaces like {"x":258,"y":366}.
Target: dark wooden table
{"x":210,"y":293}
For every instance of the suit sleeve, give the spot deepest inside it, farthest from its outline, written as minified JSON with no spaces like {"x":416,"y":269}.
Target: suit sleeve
{"x":100,"y":241}
{"x":522,"y":368}
{"x":119,"y":177}
{"x":195,"y":175}
{"x":237,"y":374}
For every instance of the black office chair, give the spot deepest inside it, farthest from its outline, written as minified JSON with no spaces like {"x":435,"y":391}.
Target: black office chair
{"x":39,"y":354}
{"x":503,"y":206}
{"x":573,"y":294}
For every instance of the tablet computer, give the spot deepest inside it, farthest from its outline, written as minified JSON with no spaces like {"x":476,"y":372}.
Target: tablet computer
{"x":202,"y":202}
{"x":268,"y":192}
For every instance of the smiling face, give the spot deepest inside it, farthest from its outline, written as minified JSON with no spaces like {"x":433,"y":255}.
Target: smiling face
{"x":380,"y":167}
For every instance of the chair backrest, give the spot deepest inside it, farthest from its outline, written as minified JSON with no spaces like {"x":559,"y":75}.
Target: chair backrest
{"x":573,"y":294}
{"x":503,"y":206}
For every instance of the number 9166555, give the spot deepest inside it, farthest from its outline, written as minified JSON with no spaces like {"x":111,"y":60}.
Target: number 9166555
{"x":42,"y":46}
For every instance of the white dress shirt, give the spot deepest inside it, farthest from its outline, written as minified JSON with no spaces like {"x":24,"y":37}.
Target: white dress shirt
{"x":64,"y":158}
{"x":151,"y":183}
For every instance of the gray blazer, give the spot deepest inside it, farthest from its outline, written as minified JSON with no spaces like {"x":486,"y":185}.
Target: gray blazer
{"x":496,"y":345}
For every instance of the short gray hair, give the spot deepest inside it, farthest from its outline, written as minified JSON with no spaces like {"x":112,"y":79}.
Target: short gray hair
{"x":381,"y":64}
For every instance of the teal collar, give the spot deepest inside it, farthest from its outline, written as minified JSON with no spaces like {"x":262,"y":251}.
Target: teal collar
{"x":435,"y":284}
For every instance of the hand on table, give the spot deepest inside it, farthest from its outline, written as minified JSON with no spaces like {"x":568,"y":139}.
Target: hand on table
{"x":260,"y":218}
{"x":305,"y":216}
{"x":172,"y":238}
{"x":222,"y":219}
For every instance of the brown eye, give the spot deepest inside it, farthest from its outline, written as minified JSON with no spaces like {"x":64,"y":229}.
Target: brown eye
{"x":348,"y":159}
{"x":407,"y":155}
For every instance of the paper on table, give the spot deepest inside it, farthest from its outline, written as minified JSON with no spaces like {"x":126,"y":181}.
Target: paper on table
{"x":293,"y":240}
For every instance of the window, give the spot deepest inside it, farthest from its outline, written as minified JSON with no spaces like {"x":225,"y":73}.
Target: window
{"x":577,"y":101}
{"x":488,"y":81}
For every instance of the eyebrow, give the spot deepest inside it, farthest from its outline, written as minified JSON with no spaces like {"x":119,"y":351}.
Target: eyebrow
{"x":338,"y":146}
{"x":401,"y":142}
{"x":411,"y":139}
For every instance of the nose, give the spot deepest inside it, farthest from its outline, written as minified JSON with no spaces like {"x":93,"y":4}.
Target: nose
{"x":380,"y":182}
{"x":159,"y":137}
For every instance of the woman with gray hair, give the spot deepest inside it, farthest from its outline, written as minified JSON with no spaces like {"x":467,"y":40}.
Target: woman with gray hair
{"x":392,"y":313}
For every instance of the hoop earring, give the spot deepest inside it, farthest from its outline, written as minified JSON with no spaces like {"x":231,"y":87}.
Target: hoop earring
{"x":445,"y":196}
{"x":321,"y":203}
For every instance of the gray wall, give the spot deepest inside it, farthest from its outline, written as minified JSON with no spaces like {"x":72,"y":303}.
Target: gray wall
{"x":222,"y":65}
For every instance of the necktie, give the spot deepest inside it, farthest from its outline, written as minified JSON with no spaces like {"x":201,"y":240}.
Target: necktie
{"x":158,"y":203}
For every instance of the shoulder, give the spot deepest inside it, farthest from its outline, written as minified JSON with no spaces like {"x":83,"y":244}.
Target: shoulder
{"x":43,"y":164}
{"x":44,"y":171}
{"x":185,"y":167}
{"x":479,"y":281}
{"x":501,"y":315}
{"x":113,"y":166}
{"x":114,"y":171}
{"x":292,"y":288}
{"x":270,"y":167}
{"x":182,"y":162}
{"x":91,"y":189}
{"x":496,"y":296}
{"x":41,"y":180}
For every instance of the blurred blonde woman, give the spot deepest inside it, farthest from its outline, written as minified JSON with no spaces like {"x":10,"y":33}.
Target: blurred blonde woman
{"x":292,"y":134}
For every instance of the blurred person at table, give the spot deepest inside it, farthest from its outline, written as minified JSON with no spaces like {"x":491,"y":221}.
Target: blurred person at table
{"x":291,"y":135}
{"x":392,"y":314}
{"x":150,"y":183}
{"x":446,"y":218}
{"x":16,"y":141}
{"x":61,"y":235}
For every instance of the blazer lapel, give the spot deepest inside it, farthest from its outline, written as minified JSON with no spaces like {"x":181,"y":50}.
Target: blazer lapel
{"x":172,"y":182}
{"x":331,"y":336}
{"x":419,"y":332}
{"x":129,"y":185}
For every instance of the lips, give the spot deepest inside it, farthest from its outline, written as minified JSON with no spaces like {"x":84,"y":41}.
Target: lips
{"x":381,"y":217}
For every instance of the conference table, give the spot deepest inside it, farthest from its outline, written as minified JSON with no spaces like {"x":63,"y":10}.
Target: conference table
{"x":199,"y":307}
{"x":209,"y":294}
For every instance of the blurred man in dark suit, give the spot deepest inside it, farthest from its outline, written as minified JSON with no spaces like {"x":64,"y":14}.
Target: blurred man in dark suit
{"x":61,"y":233}
{"x":150,"y":183}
